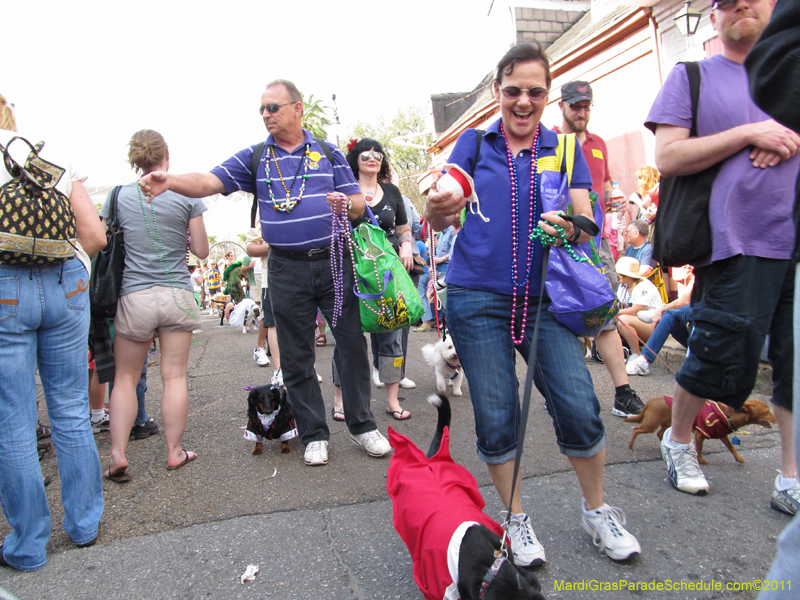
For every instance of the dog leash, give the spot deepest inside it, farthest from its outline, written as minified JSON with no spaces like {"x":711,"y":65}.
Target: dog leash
{"x":526,"y":400}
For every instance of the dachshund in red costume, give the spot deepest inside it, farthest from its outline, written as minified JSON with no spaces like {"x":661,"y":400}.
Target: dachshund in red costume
{"x":438,"y":511}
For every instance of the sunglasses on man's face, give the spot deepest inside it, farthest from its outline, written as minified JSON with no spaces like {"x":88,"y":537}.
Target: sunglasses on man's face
{"x":272,"y":107}
{"x":365,"y":156}
{"x":536,"y":93}
{"x":728,"y":4}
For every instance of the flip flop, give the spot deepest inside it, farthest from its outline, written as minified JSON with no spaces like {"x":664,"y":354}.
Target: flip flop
{"x":322,"y":340}
{"x":42,"y":431}
{"x":119,"y":476}
{"x":397,"y":415}
{"x":337,"y":415}
{"x":188,"y":459}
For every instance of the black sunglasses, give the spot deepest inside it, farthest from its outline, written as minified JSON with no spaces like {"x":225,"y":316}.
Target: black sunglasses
{"x":536,"y":93}
{"x":727,"y":4}
{"x":272,"y":107}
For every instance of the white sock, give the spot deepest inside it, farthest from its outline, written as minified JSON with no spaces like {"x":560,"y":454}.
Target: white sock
{"x":97,"y":414}
{"x":673,"y":444}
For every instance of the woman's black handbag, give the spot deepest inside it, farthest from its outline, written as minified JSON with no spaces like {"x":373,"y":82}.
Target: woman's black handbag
{"x":107,"y":266}
{"x":683,"y":225}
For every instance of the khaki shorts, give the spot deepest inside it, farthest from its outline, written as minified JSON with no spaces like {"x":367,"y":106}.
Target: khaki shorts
{"x":140,"y":314}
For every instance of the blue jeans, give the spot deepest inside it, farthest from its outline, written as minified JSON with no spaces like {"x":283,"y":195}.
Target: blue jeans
{"x":422,"y":289}
{"x":673,"y":322}
{"x":481,"y":326}
{"x":787,"y":559}
{"x":44,"y":320}
{"x":297,"y":288}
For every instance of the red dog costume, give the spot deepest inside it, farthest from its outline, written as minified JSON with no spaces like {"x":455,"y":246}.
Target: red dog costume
{"x":431,"y":499}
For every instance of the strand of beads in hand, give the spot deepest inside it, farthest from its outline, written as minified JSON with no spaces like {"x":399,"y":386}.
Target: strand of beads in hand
{"x":552,"y":240}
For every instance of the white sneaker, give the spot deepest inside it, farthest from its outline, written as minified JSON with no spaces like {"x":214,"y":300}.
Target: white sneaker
{"x":528,"y":551}
{"x":632,"y":357}
{"x":102,"y":424}
{"x":316,"y":453}
{"x":605,"y":524}
{"x":376,"y":378}
{"x":684,"y":471}
{"x":787,"y":500}
{"x":260,"y":356}
{"x":373,"y":442}
{"x":277,"y":378}
{"x":638,"y":366}
{"x":406,"y":383}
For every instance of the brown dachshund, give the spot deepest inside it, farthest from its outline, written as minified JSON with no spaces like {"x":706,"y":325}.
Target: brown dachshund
{"x":715,"y":420}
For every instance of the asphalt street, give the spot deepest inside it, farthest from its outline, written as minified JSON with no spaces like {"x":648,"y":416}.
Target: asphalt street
{"x":326,"y":532}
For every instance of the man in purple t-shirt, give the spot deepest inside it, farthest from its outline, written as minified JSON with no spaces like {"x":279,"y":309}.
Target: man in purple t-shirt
{"x":745,"y":291}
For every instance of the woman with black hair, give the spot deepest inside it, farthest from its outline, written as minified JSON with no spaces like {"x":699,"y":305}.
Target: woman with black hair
{"x":371,"y":168}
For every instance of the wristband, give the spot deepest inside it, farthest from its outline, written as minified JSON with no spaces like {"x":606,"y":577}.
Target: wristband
{"x":576,"y":236}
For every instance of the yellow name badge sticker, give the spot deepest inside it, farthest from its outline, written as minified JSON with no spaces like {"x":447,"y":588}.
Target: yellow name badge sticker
{"x":398,"y":362}
{"x":314,"y":156}
{"x":597,"y":153}
{"x":548,"y":163}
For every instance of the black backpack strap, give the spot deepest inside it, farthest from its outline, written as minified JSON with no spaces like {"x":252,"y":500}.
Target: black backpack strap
{"x":478,"y":141}
{"x":693,"y":72}
{"x":255,"y":161}
{"x":326,"y":150}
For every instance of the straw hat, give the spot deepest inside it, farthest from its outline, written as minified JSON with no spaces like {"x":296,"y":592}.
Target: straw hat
{"x":628,"y":266}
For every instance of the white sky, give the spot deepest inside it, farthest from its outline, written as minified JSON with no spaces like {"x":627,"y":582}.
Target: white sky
{"x":88,"y":74}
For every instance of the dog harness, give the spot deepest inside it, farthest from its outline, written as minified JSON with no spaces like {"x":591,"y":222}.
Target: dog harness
{"x":711,"y":422}
{"x":432,"y":499}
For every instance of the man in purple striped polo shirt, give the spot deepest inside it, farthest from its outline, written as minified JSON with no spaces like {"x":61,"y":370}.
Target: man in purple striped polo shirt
{"x":297,"y":189}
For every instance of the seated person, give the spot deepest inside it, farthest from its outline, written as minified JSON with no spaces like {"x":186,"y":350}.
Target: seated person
{"x":639,"y":247}
{"x":640,"y":299}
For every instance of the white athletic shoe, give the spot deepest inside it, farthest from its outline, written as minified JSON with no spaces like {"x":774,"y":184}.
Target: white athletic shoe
{"x":528,"y":551}
{"x":685,"y":474}
{"x":373,"y":442}
{"x":376,"y":378}
{"x":277,"y":378}
{"x":406,"y":383}
{"x":605,"y":524}
{"x":638,"y":366}
{"x":316,"y":454}
{"x":260,"y":356}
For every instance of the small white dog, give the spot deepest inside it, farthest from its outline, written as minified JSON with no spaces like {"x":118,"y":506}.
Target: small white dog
{"x":442,"y":356}
{"x":245,"y":315}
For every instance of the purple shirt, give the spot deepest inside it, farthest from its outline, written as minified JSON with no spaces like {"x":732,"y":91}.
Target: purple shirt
{"x":481,"y":256}
{"x":750,"y":208}
{"x":308,"y":225}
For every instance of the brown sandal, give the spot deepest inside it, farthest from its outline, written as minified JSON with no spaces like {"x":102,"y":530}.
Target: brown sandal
{"x":322,"y":339}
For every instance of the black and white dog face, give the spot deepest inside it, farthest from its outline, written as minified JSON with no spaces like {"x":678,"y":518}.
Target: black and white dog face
{"x":251,"y":316}
{"x":443,"y":358}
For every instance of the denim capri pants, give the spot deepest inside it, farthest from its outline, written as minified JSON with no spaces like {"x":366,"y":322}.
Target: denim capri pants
{"x":480,"y":323}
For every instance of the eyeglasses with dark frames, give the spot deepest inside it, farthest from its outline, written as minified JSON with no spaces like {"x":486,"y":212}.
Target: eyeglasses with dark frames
{"x":365,"y":156}
{"x":536,"y":93}
{"x":272,"y":107}
{"x":579,"y":107}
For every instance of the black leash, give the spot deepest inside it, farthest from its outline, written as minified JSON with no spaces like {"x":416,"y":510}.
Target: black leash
{"x":526,"y":398}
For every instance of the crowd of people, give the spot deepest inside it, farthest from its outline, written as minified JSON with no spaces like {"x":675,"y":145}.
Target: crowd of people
{"x":488,"y":263}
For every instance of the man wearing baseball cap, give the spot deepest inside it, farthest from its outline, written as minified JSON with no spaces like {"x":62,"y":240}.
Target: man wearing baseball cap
{"x":576,"y":108}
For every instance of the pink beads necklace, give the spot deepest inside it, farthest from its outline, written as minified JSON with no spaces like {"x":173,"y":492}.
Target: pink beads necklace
{"x":515,"y":234}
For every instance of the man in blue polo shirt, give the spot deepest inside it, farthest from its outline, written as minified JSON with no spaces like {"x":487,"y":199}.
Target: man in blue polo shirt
{"x":298,"y":188}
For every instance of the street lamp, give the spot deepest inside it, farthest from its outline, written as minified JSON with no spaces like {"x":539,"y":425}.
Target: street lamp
{"x":687,"y":20}
{"x":336,"y":117}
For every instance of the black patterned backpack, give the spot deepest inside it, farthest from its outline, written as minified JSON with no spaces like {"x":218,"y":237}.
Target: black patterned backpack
{"x":37,"y":223}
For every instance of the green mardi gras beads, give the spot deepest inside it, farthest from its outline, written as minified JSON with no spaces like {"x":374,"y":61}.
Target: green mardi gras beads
{"x":552,"y":240}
